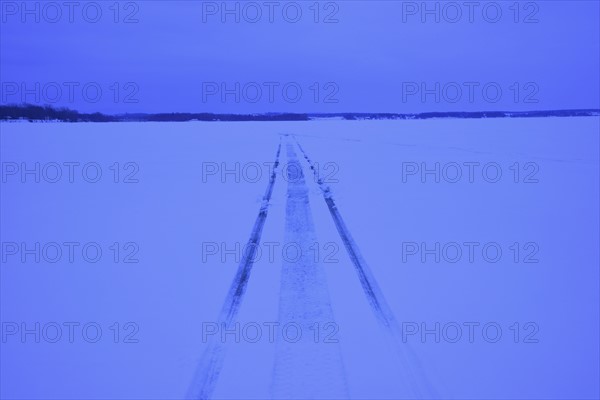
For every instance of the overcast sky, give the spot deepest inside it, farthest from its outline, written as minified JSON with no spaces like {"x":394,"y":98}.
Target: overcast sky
{"x":361,"y":56}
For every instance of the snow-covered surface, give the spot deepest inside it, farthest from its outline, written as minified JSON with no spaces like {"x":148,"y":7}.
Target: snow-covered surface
{"x":171,"y":212}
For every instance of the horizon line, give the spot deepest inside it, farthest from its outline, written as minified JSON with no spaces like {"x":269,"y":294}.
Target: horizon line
{"x":48,"y":113}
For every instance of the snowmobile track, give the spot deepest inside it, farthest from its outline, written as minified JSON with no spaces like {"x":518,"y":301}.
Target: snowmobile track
{"x":414,"y":375}
{"x":207,"y":373}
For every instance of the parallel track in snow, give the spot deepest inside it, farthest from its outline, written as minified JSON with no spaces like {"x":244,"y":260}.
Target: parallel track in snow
{"x":310,"y":367}
{"x":207,"y":373}
{"x":304,"y":292}
{"x":414,"y":376}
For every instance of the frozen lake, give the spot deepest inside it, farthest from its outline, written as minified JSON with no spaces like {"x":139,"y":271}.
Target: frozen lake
{"x":479,"y":239}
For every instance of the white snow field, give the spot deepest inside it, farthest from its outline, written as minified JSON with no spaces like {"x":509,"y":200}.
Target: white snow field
{"x":516,"y":324}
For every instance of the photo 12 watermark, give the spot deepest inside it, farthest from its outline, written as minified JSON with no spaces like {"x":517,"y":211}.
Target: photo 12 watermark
{"x":471,"y":172}
{"x":70,"y":252}
{"x":469,"y":332}
{"x":270,"y":92}
{"x":255,"y":172}
{"x":270,"y":252}
{"x":254,"y":332}
{"x":69,"y":172}
{"x":70,"y":12}
{"x":470,"y":12}
{"x":452,"y":252}
{"x":69,"y":92}
{"x":272,"y":12}
{"x":69,"y":332}
{"x":469,"y":92}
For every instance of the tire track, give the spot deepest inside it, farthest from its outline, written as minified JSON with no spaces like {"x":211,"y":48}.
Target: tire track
{"x":310,"y":367}
{"x":414,"y":374}
{"x":207,"y":373}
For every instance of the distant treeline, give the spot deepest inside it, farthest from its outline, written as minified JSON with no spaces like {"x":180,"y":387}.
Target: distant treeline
{"x":462,"y":114}
{"x":30,"y":112}
{"x":40,"y":113}
{"x":181,"y":117}
{"x":48,"y":113}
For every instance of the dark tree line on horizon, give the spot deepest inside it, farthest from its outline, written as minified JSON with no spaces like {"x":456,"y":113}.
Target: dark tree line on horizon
{"x":48,"y":113}
{"x":31,"y":112}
